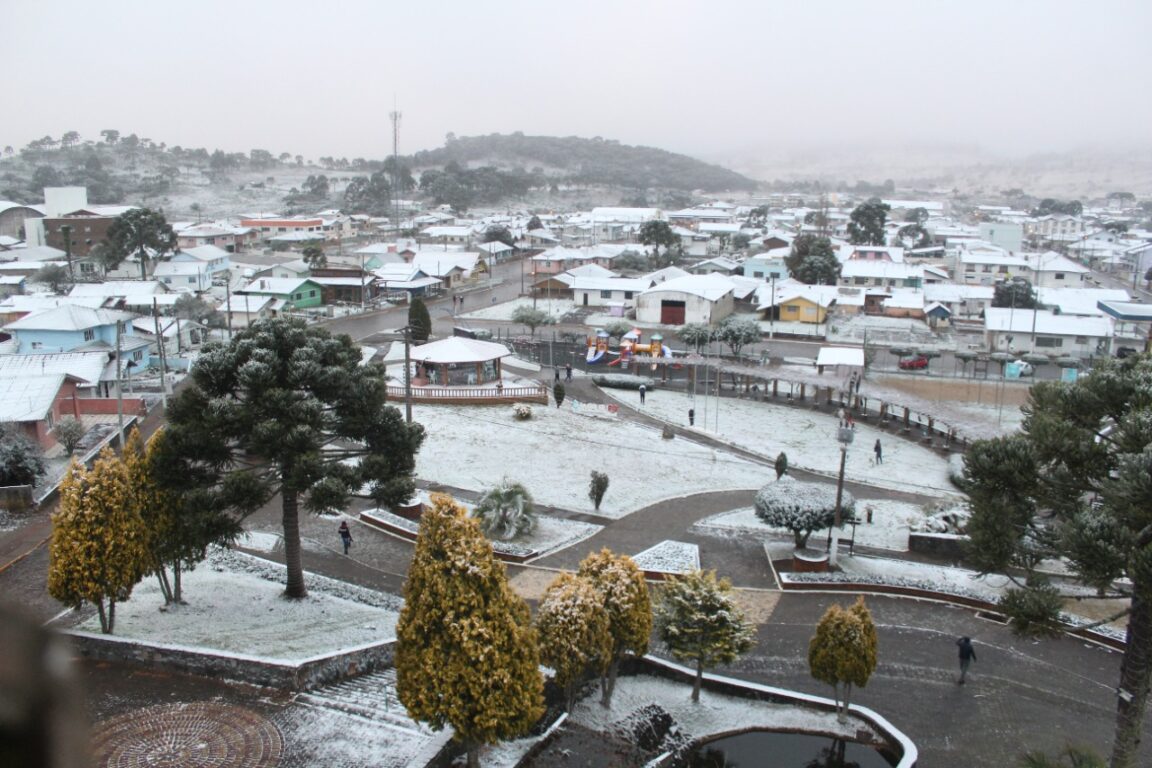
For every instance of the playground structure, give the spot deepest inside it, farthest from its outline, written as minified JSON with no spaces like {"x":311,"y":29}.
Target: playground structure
{"x":630,"y":346}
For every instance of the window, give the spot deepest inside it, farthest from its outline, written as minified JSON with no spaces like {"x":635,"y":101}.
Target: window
{"x":859,"y":280}
{"x":138,"y":355}
{"x":1081,"y":339}
{"x":628,"y":294}
{"x":312,"y":294}
{"x":37,"y":345}
{"x":1059,"y":275}
{"x":89,"y":334}
{"x":1049,"y":342}
{"x":192,"y":281}
{"x":987,"y":268}
{"x":791,"y":309}
{"x":605,"y":294}
{"x":298,"y":296}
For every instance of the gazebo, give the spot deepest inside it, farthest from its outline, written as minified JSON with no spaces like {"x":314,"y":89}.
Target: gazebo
{"x":457,"y":361}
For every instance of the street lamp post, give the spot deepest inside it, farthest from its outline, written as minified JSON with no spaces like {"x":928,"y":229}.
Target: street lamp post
{"x":845,"y":435}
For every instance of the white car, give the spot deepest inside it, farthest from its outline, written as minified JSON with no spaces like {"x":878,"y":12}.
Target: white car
{"x":1024,"y":367}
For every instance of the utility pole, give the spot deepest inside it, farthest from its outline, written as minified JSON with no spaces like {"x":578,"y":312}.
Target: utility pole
{"x":407,"y":374}
{"x":394,"y":116}
{"x":119,"y":393}
{"x":66,"y":230}
{"x":160,"y":345}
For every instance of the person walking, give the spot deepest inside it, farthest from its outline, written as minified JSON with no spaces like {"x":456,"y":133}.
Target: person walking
{"x":879,"y":452}
{"x":643,"y":389}
{"x":345,"y":535}
{"x":568,"y":372}
{"x":691,"y":417}
{"x":967,"y":656}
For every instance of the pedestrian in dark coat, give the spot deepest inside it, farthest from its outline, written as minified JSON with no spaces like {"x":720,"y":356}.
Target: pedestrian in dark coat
{"x":345,"y":535}
{"x":967,"y":656}
{"x":643,"y":389}
{"x":568,"y":372}
{"x":879,"y":452}
{"x":691,"y":417}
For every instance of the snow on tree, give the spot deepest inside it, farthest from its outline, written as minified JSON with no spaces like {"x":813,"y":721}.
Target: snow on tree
{"x":69,"y":432}
{"x":506,"y":511}
{"x":597,"y":487}
{"x":625,"y":597}
{"x":1076,"y":485}
{"x":574,"y":637}
{"x":843,"y":651}
{"x":466,"y":654}
{"x":284,"y":408}
{"x":21,"y":460}
{"x":736,"y":332}
{"x":419,"y":321}
{"x":801,"y":507}
{"x":97,"y":552}
{"x":700,"y":623}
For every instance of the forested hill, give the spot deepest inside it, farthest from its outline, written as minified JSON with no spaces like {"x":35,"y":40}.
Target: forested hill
{"x":585,"y":161}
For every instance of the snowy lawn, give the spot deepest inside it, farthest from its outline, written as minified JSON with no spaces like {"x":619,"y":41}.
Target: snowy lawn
{"x":235,"y":606}
{"x":669,"y":557}
{"x":807,"y":437}
{"x":889,"y":528}
{"x":557,"y":308}
{"x":554,"y":453}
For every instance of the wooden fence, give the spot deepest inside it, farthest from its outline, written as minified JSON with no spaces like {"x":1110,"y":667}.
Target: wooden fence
{"x":471,"y":395}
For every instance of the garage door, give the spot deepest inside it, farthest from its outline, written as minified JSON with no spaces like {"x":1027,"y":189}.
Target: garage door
{"x":672,"y":312}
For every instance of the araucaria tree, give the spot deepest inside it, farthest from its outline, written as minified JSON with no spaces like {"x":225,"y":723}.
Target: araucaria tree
{"x":624,"y":595}
{"x":97,"y":552}
{"x":142,"y":232}
{"x":659,"y":234}
{"x":866,"y":223}
{"x":1084,"y":495}
{"x":843,"y":651}
{"x":574,"y":638}
{"x":813,"y":261}
{"x":800,"y":507}
{"x":699,"y":622}
{"x":466,"y":654}
{"x":288,"y":409}
{"x":506,"y":511}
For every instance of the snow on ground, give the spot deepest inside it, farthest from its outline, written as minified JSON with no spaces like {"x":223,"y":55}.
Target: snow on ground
{"x":222,"y":593}
{"x":557,"y":308}
{"x":807,"y":437}
{"x":715,"y":713}
{"x":669,"y":557}
{"x":554,"y":453}
{"x":888,"y":530}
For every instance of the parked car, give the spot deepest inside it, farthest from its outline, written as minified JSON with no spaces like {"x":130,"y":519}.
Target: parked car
{"x":1025,"y":368}
{"x":913,"y":363}
{"x":1123,"y":352}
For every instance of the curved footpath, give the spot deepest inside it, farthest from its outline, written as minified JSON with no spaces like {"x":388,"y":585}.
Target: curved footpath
{"x":1021,"y":694}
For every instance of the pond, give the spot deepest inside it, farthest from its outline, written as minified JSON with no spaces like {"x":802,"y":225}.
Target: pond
{"x":783,"y":750}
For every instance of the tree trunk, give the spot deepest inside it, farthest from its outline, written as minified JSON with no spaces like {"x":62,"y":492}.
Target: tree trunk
{"x":162,"y":577}
{"x":291,"y":507}
{"x":103,"y":617}
{"x":111,"y":616}
{"x":177,"y":583}
{"x":1135,"y":673}
{"x":844,"y":703}
{"x":699,"y":679}
{"x":608,"y":683}
{"x":473,"y":754}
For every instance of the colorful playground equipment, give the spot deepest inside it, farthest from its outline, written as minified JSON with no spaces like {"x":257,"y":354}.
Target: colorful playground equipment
{"x":630,"y":346}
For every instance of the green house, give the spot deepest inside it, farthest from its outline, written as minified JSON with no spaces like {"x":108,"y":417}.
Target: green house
{"x":291,"y":292}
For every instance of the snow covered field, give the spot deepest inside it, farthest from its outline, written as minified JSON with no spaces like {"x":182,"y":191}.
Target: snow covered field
{"x":554,"y":453}
{"x":807,"y":437}
{"x":235,"y":606}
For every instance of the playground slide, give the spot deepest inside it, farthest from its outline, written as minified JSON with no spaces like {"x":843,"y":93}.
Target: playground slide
{"x":616,"y":361}
{"x":594,"y":355}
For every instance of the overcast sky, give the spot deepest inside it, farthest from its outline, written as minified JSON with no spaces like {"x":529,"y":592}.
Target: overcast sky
{"x":703,"y":78}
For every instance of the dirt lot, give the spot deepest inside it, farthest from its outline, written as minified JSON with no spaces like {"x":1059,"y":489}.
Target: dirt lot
{"x":987,"y":392}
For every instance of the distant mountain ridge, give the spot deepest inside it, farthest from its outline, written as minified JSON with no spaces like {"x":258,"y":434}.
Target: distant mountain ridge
{"x":586,"y":161}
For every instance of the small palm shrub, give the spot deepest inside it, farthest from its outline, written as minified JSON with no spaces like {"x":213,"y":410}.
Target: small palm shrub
{"x":506,"y":511}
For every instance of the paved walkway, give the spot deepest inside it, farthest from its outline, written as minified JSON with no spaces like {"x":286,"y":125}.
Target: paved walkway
{"x":1022,"y":695}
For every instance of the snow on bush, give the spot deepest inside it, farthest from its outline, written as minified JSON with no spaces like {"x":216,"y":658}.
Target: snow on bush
{"x":622,"y":381}
{"x":801,"y":507}
{"x":944,"y":518}
{"x":522,"y":411}
{"x":669,"y":557}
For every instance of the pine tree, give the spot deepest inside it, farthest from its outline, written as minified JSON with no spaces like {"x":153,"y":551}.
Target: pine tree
{"x":466,"y":654}
{"x":842,"y":653}
{"x":624,"y":593}
{"x":699,"y":622}
{"x":597,"y":487}
{"x":97,"y":552}
{"x":419,"y":321}
{"x":574,"y":637}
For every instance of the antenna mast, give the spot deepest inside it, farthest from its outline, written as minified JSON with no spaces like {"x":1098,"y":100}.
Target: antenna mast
{"x":394,"y":116}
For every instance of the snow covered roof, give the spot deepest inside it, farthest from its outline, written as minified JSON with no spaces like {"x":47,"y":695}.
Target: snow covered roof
{"x":205,"y":253}
{"x":457,"y":349}
{"x":1079,"y":301}
{"x":633,"y":284}
{"x":999,"y":319}
{"x":629,"y":215}
{"x":997,"y":257}
{"x":885,"y":270}
{"x":841,"y":356}
{"x":29,"y":398}
{"x":86,"y":367}
{"x":1050,"y":261}
{"x":440,"y":263}
{"x":905,"y":298}
{"x":275,"y":285}
{"x":723,"y":262}
{"x":118,"y":288}
{"x":951,"y":293}
{"x":666,"y":274}
{"x":447,"y":231}
{"x":711,"y":287}
{"x":180,"y":268}
{"x":1124,"y":310}
{"x":590,"y":270}
{"x":69,"y":317}
{"x":40,"y":253}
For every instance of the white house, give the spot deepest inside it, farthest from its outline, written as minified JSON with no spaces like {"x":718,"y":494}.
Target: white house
{"x":693,"y":299}
{"x":1053,"y":270}
{"x":960,"y":300}
{"x":1045,"y":332}
{"x":607,"y":291}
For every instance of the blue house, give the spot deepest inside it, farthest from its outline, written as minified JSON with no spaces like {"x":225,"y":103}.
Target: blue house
{"x":71,"y":327}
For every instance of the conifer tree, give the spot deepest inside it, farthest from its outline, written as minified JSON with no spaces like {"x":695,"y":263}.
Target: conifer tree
{"x":466,"y":654}
{"x":842,"y":653}
{"x":574,"y":637}
{"x":97,"y":552}
{"x":700,"y":623}
{"x":419,"y":321}
{"x":629,"y":607}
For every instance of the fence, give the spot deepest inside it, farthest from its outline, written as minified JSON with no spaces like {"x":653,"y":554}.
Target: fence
{"x":477,"y":396}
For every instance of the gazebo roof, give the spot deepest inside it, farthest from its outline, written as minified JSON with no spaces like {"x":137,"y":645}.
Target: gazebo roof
{"x":457,"y":349}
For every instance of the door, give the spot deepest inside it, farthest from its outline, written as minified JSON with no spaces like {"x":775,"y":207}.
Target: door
{"x":672,"y":312}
